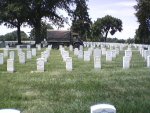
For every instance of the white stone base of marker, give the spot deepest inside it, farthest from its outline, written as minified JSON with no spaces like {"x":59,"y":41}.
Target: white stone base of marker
{"x":9,"y":111}
{"x":40,"y":64}
{"x":97,"y":62}
{"x":69,"y":64}
{"x":103,"y":108}
{"x":148,"y":61}
{"x":126,"y":62}
{"x":1,"y":58}
{"x":10,"y":65}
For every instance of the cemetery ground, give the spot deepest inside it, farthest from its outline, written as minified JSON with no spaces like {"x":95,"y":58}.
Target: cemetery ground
{"x":59,"y":91}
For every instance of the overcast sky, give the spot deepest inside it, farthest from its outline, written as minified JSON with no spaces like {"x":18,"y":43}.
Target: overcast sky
{"x":122,"y":9}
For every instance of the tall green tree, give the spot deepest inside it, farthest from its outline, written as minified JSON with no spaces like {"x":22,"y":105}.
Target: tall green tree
{"x":143,"y":14}
{"x":12,"y":36}
{"x":81,"y":22}
{"x":105,"y":25}
{"x":12,"y":14}
{"x":38,"y":9}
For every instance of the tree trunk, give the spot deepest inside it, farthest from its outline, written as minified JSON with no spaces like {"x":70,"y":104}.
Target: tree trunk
{"x":106,"y":36}
{"x":19,"y":34}
{"x":38,"y":37}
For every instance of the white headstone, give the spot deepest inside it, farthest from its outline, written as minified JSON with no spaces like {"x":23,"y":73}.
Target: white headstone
{"x":49,"y":47}
{"x":80,"y":54}
{"x":148,"y":48}
{"x":60,"y":47}
{"x":128,"y":53}
{"x":86,"y":56}
{"x":146,"y":53}
{"x":40,"y":64}
{"x":44,"y":56}
{"x":12,"y":55}
{"x":10,"y":65}
{"x":69,"y":64}
{"x":91,"y":50}
{"x":33,"y":51}
{"x":81,"y":47}
{"x":103,"y":51}
{"x":22,"y":58}
{"x":29,"y":54}
{"x":114,"y":53}
{"x":71,"y":48}
{"x":148,"y":61}
{"x":19,"y":51}
{"x":97,"y":62}
{"x":103,"y":108}
{"x":126,"y":62}
{"x":28,"y":47}
{"x":109,"y":55}
{"x":1,"y":58}
{"x":18,"y":47}
{"x":6,"y":52}
{"x":7,"y":46}
{"x":65,"y":55}
{"x":76,"y":51}
{"x":9,"y":111}
{"x":38,"y":47}
{"x":97,"y":52}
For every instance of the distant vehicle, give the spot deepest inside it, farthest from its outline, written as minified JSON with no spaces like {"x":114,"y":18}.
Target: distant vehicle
{"x":63,"y":37}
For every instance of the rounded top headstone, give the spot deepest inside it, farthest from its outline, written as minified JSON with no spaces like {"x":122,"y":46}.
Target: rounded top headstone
{"x":100,"y":108}
{"x":9,"y":111}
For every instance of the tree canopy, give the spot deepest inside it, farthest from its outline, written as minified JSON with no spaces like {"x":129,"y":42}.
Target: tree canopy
{"x":13,"y":36}
{"x":105,"y":25}
{"x":16,"y":12}
{"x":12,"y":14}
{"x":143,"y":15}
{"x":81,"y":22}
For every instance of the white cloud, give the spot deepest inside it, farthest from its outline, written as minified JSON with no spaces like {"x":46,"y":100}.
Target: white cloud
{"x":126,"y":3}
{"x":4,"y":30}
{"x":109,"y":12}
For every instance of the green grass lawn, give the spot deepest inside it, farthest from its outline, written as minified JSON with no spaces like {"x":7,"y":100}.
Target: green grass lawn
{"x":59,"y":91}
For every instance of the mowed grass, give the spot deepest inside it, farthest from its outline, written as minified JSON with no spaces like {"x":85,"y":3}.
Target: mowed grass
{"x":59,"y":91}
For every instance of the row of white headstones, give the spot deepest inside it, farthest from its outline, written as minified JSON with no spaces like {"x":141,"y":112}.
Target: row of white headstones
{"x":80,"y":53}
{"x":97,"y":53}
{"x":10,"y":53}
{"x":99,"y":108}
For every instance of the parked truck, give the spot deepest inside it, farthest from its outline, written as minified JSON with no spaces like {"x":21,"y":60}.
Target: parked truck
{"x":63,"y":37}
